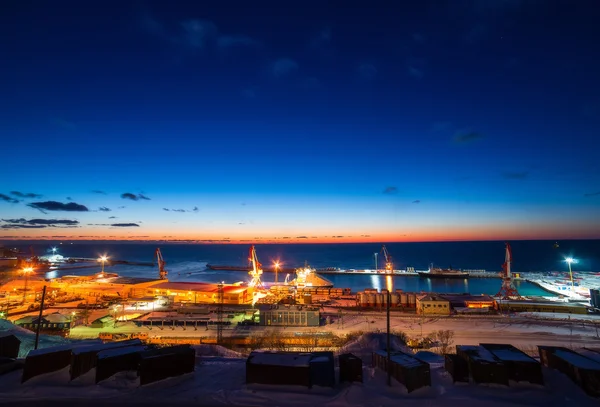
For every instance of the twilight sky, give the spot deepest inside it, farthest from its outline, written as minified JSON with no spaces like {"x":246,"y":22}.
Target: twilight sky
{"x":302,"y":121}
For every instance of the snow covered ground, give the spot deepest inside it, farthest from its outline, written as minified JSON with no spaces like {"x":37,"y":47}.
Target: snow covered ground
{"x":220,"y":381}
{"x":219,"y":378}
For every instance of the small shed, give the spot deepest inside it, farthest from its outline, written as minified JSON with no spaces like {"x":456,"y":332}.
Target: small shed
{"x":167,"y":362}
{"x":350,"y":368}
{"x":50,"y":359}
{"x":9,"y":346}
{"x":457,"y":366}
{"x":581,"y":369}
{"x":112,"y":361}
{"x":521,"y":367}
{"x":103,"y":322}
{"x":484,"y":367}
{"x":406,"y":369}
{"x":280,"y":368}
{"x":83,"y":359}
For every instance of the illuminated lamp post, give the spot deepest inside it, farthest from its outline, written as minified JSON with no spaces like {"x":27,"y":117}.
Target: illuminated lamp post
{"x":276,"y":265}
{"x":376,"y":261}
{"x":570,"y":260}
{"x":26,"y":272}
{"x":103,"y":260}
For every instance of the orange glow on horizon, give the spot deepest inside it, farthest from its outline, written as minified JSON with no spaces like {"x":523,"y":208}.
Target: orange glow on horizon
{"x":479,"y":233}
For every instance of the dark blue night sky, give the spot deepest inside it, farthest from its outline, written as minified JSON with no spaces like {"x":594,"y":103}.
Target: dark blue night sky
{"x":304,"y":121}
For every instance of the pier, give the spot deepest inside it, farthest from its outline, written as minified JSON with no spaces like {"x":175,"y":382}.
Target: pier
{"x":335,"y":270}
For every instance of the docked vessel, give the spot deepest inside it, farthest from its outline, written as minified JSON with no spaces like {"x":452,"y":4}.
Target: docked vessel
{"x":307,"y":277}
{"x":436,"y":272}
{"x":571,"y":290}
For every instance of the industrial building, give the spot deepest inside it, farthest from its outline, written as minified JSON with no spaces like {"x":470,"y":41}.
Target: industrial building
{"x":288,"y":315}
{"x":103,"y":322}
{"x":202,"y":293}
{"x":52,"y":322}
{"x":432,"y":304}
{"x":458,"y":301}
{"x":108,"y":285}
{"x":539,"y":306}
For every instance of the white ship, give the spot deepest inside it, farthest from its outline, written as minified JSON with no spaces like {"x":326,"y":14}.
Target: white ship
{"x":572,"y":291}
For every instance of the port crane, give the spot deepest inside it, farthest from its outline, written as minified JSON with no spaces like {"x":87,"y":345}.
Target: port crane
{"x":389,"y":266}
{"x":256,"y":270}
{"x":162,"y":273}
{"x":507,"y":290}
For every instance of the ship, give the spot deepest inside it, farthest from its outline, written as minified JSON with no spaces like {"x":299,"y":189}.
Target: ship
{"x":570,"y":290}
{"x":307,"y":277}
{"x":436,"y":272}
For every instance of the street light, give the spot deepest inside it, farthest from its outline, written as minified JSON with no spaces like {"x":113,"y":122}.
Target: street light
{"x":376,"y":261}
{"x":103,"y":260}
{"x":276,"y":265}
{"x":570,"y":260}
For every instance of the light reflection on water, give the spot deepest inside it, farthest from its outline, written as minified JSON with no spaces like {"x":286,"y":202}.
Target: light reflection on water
{"x":195,"y":271}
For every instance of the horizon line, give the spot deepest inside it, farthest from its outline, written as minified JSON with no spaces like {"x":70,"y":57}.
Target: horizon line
{"x":285,"y":241}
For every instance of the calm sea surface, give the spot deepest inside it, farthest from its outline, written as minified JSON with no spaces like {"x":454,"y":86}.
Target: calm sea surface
{"x":187,"y":262}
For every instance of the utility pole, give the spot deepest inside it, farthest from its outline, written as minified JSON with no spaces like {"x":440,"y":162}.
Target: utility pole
{"x":37,"y":329}
{"x":389,"y":356}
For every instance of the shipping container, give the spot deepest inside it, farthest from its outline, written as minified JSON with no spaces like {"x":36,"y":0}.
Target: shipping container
{"x":291,"y":368}
{"x":322,"y":369}
{"x":484,"y":367}
{"x":458,"y":367}
{"x":9,"y":346}
{"x":350,"y":368}
{"x":278,"y":368}
{"x":521,"y":367}
{"x":582,"y":370}
{"x":406,"y":369}
{"x":166,"y":362}
{"x":50,"y":359}
{"x":112,"y":361}
{"x":83,"y":359}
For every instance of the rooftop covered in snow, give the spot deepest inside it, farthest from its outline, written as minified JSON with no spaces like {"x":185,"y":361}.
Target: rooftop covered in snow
{"x":477,"y":353}
{"x":508,"y":353}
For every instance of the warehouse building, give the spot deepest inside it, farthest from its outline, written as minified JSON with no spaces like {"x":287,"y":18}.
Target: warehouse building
{"x":433,"y":305}
{"x":288,"y":315}
{"x":202,"y":293}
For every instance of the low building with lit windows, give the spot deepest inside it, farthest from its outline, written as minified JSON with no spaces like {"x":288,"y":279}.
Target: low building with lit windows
{"x":433,"y":305}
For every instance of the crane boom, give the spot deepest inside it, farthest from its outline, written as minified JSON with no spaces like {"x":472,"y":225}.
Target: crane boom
{"x":389,"y":266}
{"x":162,"y":273}
{"x":256,"y":271}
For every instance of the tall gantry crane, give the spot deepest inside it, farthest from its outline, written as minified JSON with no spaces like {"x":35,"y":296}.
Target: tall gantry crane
{"x":507,"y":290}
{"x":389,"y":266}
{"x":256,"y":270}
{"x":162,"y":273}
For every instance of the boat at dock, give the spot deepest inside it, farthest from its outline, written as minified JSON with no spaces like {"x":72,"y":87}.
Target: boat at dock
{"x":573,"y":291}
{"x":436,"y":272}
